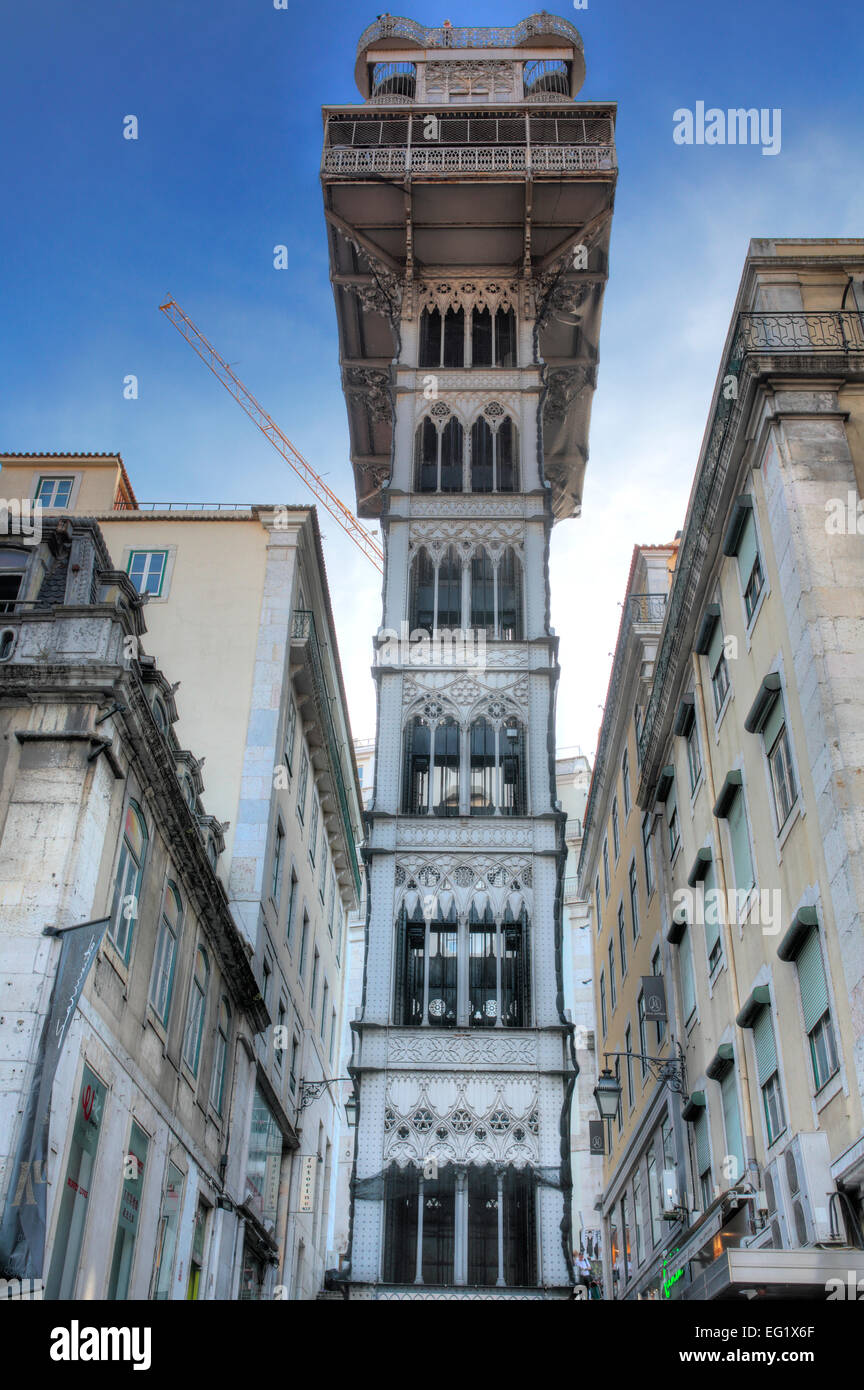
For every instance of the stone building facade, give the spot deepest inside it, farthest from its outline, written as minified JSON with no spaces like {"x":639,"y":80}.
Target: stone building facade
{"x":468,"y":204}
{"x":748,"y":749}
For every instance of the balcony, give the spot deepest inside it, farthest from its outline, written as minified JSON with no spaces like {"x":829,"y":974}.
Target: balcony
{"x":472,"y":143}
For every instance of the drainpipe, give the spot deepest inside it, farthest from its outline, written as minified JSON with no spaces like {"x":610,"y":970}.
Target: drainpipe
{"x":741,"y":1052}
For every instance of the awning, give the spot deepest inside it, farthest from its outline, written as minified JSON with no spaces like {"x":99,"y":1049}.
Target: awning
{"x":798,"y":1274}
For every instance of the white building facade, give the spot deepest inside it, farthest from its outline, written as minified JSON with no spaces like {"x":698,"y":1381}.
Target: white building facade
{"x":468,"y":256}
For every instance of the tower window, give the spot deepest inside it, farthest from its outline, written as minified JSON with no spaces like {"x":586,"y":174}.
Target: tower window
{"x":493,"y":457}
{"x":431,"y":775}
{"x":493,"y":338}
{"x":438,"y":457}
{"x":442,"y":338}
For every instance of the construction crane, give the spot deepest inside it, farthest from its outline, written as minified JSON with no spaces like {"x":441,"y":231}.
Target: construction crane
{"x":220,"y":369}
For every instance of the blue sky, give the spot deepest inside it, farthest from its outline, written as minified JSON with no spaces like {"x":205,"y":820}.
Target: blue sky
{"x":98,"y":229}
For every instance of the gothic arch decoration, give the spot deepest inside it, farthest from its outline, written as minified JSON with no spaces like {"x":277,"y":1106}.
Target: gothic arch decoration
{"x":468,"y":406}
{"x":461,"y":695}
{"x":472,"y":79}
{"x":467,"y":294}
{"x":461,"y":1119}
{"x":495,"y":534}
{"x":503,"y":882}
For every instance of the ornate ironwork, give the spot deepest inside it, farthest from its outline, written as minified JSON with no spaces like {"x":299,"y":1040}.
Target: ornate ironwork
{"x":670,"y":1070}
{"x":765,"y":334}
{"x":469,"y":159}
{"x":446,"y":36}
{"x":312,"y":1090}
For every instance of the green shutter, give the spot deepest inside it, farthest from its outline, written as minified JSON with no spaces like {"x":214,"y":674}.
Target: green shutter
{"x":688,"y":986}
{"x":747,"y":549}
{"x":811,"y":980}
{"x":773,"y":724}
{"x":763,"y":1041}
{"x":712,"y":910}
{"x":732,"y":1120}
{"x":741,"y":857}
{"x":715,"y":646}
{"x":703,"y":1143}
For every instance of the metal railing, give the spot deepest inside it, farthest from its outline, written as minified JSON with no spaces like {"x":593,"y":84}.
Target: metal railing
{"x":571,"y":889}
{"x":795,"y":331}
{"x":303,"y":630}
{"x":446,"y":36}
{"x":450,"y":159}
{"x":645,"y":608}
{"x":195,"y":506}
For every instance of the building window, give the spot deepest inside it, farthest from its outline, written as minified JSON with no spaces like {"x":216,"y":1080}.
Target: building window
{"x":597,"y":901}
{"x":166,"y":1236}
{"x":431,"y":768}
{"x":606,"y":877}
{"x":54,"y":492}
{"x":495,"y":1209}
{"x":625,"y":782}
{"x":647,"y":855}
{"x":628,"y":1048}
{"x":613,"y":992}
{"x":290,"y":735}
{"x":220,"y":1056}
{"x":428,"y":967}
{"x":302,"y":783}
{"x":493,"y":456}
{"x":654,"y":1197}
{"x":292,"y":909}
{"x":167,"y":936}
{"x":813,"y":985}
{"x":637,"y":724}
{"x":712,"y":919}
{"x":637,"y":1217}
{"x":768,"y":1074}
{"x":603,"y":1019}
{"x":732,"y":1124}
{"x":634,"y":898}
{"x":132,"y":1188}
{"x":322,"y":876}
{"x":616,"y":834}
{"x":438,"y":456}
{"x":332,"y":1053}
{"x":688,"y":982}
{"x":292,"y":1072}
{"x":263,"y":1162}
{"x":755,"y":584}
{"x":77,"y":1189}
{"x":436,"y":593}
{"x":702,"y":1138}
{"x":694,"y":755}
{"x":749,"y":565}
{"x":146,"y":569}
{"x":775,"y":735}
{"x":497,"y":768}
{"x":127,"y":884}
{"x":13,"y":564}
{"x":622,"y":940}
{"x":742,"y":858}
{"x":313,"y":828}
{"x":672,"y":822}
{"x":657,"y":971}
{"x":195,"y":1011}
{"x":619,"y":1119}
{"x":316,"y":962}
{"x":442,"y":338}
{"x":718,"y":668}
{"x":278,"y":863}
{"x":493,"y":338}
{"x":325,"y":1000}
{"x":625,"y":1241}
{"x":508,"y":612}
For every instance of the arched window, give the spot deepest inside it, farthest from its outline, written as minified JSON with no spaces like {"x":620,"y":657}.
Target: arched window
{"x":449,"y":614}
{"x":431,"y":768}
{"x":164,"y":959}
{"x":493,"y":457}
{"x":493,"y":338}
{"x":442,"y":340}
{"x":195,"y":1011}
{"x":482,"y":593}
{"x":438,"y":457}
{"x":427,"y":963}
{"x":220,"y":1056}
{"x":514,"y":967}
{"x":436,"y":601}
{"x":483,"y":1000}
{"x":160,"y":714}
{"x":482,"y":764}
{"x":127,"y":884}
{"x":509,"y":624}
{"x":497,"y":768}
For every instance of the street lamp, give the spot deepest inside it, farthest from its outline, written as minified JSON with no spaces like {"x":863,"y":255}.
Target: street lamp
{"x":607,"y":1094}
{"x":351,"y":1110}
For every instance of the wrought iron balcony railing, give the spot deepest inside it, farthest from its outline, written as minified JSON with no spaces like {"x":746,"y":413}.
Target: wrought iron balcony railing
{"x":303,"y":630}
{"x":801,"y":332}
{"x":446,"y":36}
{"x":468,"y":143}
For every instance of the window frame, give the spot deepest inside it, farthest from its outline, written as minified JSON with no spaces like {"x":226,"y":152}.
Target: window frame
{"x":163,"y":574}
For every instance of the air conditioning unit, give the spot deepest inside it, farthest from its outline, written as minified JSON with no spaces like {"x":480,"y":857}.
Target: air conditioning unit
{"x":776,"y":1207}
{"x":809,"y":1184}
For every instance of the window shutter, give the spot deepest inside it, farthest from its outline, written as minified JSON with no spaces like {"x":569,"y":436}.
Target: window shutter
{"x":712,"y":911}
{"x":671,"y":803}
{"x":688,"y":986}
{"x":703,"y":1143}
{"x":715,"y":646}
{"x":737,"y":822}
{"x":732,"y":1120}
{"x":763,"y":1041}
{"x":747,"y":549}
{"x":811,"y":980}
{"x":773,"y":724}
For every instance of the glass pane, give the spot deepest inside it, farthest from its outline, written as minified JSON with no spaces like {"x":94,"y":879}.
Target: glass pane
{"x":482,"y":760}
{"x":430,"y":339}
{"x":442,"y":977}
{"x":75,"y":1199}
{"x":454,"y":338}
{"x":439,"y":1210}
{"x":482,"y":992}
{"x":427,"y":457}
{"x":422,"y":608}
{"x":506,"y":448}
{"x":166,"y":1240}
{"x":482,"y":1226}
{"x":482,"y":593}
{"x":451,"y":456}
{"x":445,"y":793}
{"x":481,"y":339}
{"x":481,"y":457}
{"x":450,"y":590}
{"x":400,"y":1226}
